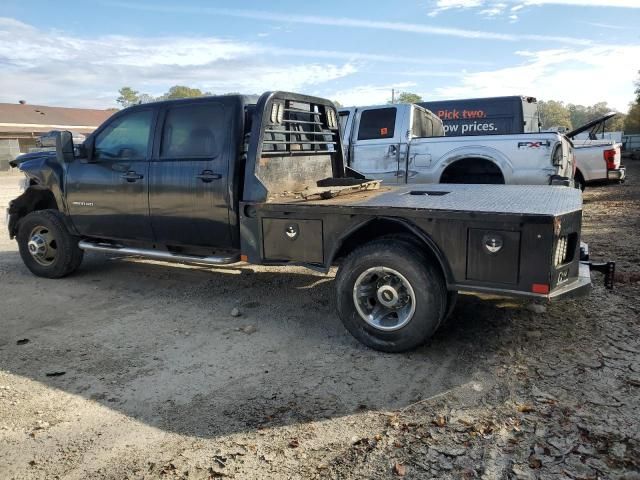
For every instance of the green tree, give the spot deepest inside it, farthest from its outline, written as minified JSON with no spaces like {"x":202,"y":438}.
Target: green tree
{"x":616,"y":124}
{"x":581,"y":114}
{"x":146,"y":98}
{"x":181,"y":91}
{"x":407,"y":97}
{"x":337,"y":103}
{"x":578,"y":114}
{"x":128,"y":96}
{"x":632,"y":120}
{"x":554,"y":114}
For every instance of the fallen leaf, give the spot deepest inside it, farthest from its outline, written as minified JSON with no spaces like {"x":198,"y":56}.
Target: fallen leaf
{"x":534,"y":462}
{"x":167,"y":468}
{"x":399,"y":469}
{"x":525,"y":408}
{"x":440,"y":421}
{"x":294,"y":443}
{"x":220,"y":460}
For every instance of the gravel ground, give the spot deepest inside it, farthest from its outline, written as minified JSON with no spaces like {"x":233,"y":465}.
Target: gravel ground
{"x":137,"y":369}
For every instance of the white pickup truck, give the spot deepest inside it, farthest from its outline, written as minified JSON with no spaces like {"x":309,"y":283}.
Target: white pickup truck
{"x":405,"y":143}
{"x":597,"y":159}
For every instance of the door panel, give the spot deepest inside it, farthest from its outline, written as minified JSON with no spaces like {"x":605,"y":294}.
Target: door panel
{"x":376,"y":150}
{"x":108,"y":197}
{"x":419,"y":168}
{"x":188,"y":195}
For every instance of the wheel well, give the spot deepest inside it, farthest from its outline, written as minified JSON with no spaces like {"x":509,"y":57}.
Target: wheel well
{"x":398,"y":229}
{"x":31,"y":200}
{"x":579,"y":175}
{"x":472,"y":170}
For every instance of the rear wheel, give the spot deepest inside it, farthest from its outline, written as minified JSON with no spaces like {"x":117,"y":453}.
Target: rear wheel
{"x":46,"y":246}
{"x":390,"y":296}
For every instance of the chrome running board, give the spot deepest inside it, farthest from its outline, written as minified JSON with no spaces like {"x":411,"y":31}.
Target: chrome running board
{"x":158,"y":255}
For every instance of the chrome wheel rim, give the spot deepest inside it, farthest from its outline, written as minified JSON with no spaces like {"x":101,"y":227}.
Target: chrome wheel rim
{"x":384,"y":298}
{"x":42,"y":246}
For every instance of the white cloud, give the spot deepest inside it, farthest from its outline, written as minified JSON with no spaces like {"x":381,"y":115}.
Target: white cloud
{"x":496,"y":7}
{"x":51,"y":67}
{"x":585,"y":3}
{"x":369,"y":94}
{"x":352,"y":22}
{"x":374,"y":57}
{"x":581,"y":76}
{"x":605,"y":25}
{"x":494,"y":10}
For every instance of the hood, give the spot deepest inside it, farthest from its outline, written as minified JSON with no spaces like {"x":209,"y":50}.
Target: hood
{"x":592,"y":125}
{"x":25,"y":157}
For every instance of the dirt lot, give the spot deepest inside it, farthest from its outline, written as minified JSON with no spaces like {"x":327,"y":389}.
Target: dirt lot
{"x":136,"y":369}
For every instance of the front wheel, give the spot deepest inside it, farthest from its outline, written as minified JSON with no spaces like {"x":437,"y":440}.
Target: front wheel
{"x":390,"y":296}
{"x":46,"y":246}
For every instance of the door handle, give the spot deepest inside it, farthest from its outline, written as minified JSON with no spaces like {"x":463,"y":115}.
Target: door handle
{"x":208,"y":176}
{"x":131,"y":176}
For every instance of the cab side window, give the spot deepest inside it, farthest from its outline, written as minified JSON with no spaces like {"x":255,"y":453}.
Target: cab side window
{"x":125,"y":138}
{"x":377,"y":123}
{"x":422,"y":124}
{"x":193,"y":131}
{"x":438,"y":129}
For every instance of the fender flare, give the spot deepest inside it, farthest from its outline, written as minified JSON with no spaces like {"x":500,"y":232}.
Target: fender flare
{"x":431,"y":246}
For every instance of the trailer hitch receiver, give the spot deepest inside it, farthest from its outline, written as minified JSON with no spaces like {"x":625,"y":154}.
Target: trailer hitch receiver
{"x":607,"y":268}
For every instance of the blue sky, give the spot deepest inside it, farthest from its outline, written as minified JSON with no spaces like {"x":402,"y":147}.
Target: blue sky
{"x":78,"y":53}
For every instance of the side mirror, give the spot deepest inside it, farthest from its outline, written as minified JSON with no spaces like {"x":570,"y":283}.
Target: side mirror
{"x":64,"y":147}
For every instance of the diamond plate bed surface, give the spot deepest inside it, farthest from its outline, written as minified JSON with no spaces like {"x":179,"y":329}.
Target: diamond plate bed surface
{"x":517,"y":199}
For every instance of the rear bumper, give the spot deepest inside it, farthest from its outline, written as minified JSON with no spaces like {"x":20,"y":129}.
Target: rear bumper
{"x":578,"y":288}
{"x":617,"y":174}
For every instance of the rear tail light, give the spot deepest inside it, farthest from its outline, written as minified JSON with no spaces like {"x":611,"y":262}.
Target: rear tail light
{"x":560,"y":256}
{"x":610,"y":158}
{"x":540,"y":288}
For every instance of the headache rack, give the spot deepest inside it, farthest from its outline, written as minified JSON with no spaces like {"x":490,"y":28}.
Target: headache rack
{"x":295,"y":151}
{"x":300,"y":128}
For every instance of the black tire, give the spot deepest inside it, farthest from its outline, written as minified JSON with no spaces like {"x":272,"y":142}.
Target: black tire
{"x":65,"y":258}
{"x":425,"y":279}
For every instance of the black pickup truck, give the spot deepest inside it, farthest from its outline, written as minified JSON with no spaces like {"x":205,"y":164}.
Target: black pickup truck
{"x":219,"y":180}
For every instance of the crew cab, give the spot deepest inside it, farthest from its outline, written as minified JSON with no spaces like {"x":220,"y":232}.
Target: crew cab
{"x":405,"y":143}
{"x":220,"y":180}
{"x":597,"y":159}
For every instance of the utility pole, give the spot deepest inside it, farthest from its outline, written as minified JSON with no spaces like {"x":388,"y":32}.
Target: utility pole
{"x":393,"y":96}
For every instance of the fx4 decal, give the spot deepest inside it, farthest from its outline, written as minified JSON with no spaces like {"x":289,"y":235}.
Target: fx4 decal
{"x":546,"y":143}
